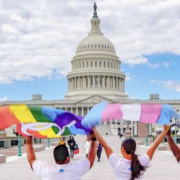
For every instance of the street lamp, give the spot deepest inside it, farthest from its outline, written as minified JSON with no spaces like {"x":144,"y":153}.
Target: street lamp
{"x":19,"y":145}
{"x":146,"y":135}
{"x":175,"y":135}
{"x":48,"y":143}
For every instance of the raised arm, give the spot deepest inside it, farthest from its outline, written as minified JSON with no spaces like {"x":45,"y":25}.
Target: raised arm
{"x":107,"y":148}
{"x":30,"y":151}
{"x":92,"y":150}
{"x":174,"y":148}
{"x":156,"y":143}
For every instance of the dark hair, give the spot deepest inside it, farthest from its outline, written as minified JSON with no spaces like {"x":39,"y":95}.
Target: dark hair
{"x":130,"y":148}
{"x":60,"y":154}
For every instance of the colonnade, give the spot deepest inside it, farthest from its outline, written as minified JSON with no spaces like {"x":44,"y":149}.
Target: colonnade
{"x":81,"y":111}
{"x":96,"y":82}
{"x":95,"y":64}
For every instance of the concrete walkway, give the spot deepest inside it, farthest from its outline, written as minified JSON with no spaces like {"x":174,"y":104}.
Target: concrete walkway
{"x":162,"y":167}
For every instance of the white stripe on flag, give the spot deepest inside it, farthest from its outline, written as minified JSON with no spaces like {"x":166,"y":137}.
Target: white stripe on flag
{"x":131,"y":112}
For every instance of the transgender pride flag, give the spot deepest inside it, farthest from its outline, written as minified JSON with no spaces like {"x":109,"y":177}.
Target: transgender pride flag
{"x":147,"y":113}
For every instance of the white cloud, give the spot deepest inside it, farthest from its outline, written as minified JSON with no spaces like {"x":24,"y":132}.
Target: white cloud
{"x":166,"y":64}
{"x":129,"y":77}
{"x":4,"y":99}
{"x":172,"y":85}
{"x":155,"y":65}
{"x":39,"y":38}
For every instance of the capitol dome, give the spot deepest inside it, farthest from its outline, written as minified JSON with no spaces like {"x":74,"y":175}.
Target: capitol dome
{"x":95,"y":67}
{"x":95,"y":42}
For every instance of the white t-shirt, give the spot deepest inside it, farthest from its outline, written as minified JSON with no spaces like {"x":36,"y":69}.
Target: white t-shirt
{"x":122,"y":167}
{"x":70,"y":171}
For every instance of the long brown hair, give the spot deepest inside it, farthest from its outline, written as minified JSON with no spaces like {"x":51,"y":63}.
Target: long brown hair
{"x":136,"y":167}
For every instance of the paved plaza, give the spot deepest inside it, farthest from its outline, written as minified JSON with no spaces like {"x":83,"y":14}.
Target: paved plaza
{"x":162,"y":167}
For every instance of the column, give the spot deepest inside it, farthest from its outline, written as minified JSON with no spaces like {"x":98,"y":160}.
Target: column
{"x":71,"y":110}
{"x":98,"y":82}
{"x":76,"y":110}
{"x":103,"y":82}
{"x":89,"y":82}
{"x":113,"y":83}
{"x":123,"y":84}
{"x":116,"y":83}
{"x":83,"y":84}
{"x":72,"y":83}
{"x":93,"y":82}
{"x":75,"y":83}
{"x":78,"y":82}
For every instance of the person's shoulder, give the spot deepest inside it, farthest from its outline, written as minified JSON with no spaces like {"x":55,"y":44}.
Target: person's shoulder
{"x":144,"y":159}
{"x":114,"y":158}
{"x":113,"y":155}
{"x":82,"y":161}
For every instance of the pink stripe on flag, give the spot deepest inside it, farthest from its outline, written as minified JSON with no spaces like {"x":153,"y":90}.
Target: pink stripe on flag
{"x":112,"y":111}
{"x":150,"y":113}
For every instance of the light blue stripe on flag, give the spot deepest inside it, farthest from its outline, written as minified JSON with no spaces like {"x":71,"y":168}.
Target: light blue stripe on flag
{"x":167,"y":113}
{"x":93,"y":118}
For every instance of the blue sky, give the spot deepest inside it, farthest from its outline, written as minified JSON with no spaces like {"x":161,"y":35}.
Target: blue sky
{"x":38,"y":40}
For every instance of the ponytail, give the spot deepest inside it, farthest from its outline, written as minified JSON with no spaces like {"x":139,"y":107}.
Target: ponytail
{"x":136,"y":167}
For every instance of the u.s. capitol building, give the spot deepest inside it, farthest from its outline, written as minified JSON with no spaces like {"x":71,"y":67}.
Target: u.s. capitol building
{"x":96,"y":76}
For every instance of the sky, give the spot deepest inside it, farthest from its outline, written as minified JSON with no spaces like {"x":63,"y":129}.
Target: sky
{"x":38,"y":40}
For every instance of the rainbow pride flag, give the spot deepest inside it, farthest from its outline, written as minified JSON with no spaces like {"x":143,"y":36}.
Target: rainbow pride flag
{"x":41,"y":122}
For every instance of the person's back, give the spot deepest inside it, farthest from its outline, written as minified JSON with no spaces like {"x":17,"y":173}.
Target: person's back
{"x":122,"y":166}
{"x":62,"y":168}
{"x":130,"y":167}
{"x":70,"y":171}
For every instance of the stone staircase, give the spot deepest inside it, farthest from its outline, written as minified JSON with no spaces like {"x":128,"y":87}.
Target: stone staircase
{"x":103,"y":129}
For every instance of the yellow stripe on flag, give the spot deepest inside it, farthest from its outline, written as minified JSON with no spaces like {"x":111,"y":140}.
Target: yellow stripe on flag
{"x":22,"y":113}
{"x":49,"y":133}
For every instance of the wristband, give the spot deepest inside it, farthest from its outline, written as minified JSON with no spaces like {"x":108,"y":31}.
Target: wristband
{"x":93,"y":139}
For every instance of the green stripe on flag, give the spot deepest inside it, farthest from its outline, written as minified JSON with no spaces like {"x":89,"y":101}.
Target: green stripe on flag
{"x":37,"y":113}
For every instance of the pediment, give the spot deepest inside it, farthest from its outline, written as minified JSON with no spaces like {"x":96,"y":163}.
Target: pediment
{"x":95,"y":99}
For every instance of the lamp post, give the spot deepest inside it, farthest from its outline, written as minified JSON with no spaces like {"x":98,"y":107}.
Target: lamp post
{"x":48,"y":143}
{"x":19,"y":145}
{"x":146,"y":135}
{"x":175,"y":135}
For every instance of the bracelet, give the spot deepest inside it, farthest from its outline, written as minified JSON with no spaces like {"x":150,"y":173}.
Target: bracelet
{"x":93,"y":139}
